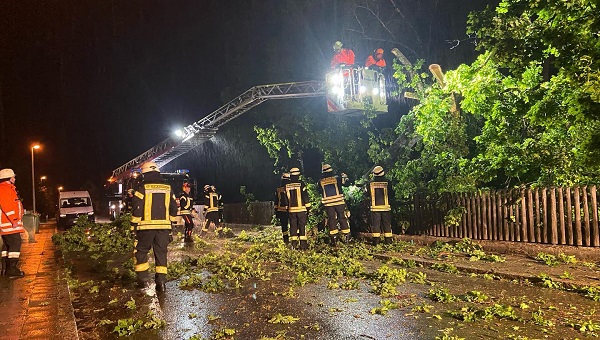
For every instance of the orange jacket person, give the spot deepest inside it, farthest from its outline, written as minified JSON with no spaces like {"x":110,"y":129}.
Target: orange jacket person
{"x":376,"y":59}
{"x":11,"y":224}
{"x":342,"y":55}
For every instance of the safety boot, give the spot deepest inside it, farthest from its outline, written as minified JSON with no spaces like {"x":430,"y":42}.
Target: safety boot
{"x":332,"y":240}
{"x":188,"y":236}
{"x":388,"y":240}
{"x":346,"y":238}
{"x":161,"y":282}
{"x":375,"y":241}
{"x":12,"y":270}
{"x":286,"y":239}
{"x":142,"y":279}
{"x":4,"y":266}
{"x":303,"y":244}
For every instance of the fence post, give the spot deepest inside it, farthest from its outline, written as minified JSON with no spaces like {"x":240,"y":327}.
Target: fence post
{"x":553,"y":224}
{"x":531,"y":223}
{"x":595,"y":236}
{"x":493,"y":218}
{"x":484,"y":220}
{"x":538,"y":216}
{"x":569,"y":217}
{"x":586,"y":217}
{"x":474,"y":217}
{"x":545,"y":215}
{"x":524,"y":236}
{"x":506,"y":216}
{"x":577,"y":207}
{"x":561,"y":216}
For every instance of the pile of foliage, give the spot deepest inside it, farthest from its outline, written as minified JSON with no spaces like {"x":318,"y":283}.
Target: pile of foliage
{"x":86,"y":236}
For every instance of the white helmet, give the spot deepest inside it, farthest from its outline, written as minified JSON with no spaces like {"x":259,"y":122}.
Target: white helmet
{"x":7,"y":173}
{"x":149,"y":166}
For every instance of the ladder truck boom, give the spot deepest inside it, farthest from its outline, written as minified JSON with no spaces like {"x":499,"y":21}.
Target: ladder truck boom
{"x":205,"y":128}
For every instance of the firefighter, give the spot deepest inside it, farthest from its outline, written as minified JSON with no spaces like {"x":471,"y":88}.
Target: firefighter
{"x":342,"y":56}
{"x":298,"y":205}
{"x":128,"y":202}
{"x":381,"y":212}
{"x":186,"y":205}
{"x":211,"y":207}
{"x":376,"y":60}
{"x":281,"y":207}
{"x":154,"y":210}
{"x":11,"y":224}
{"x":330,"y":187}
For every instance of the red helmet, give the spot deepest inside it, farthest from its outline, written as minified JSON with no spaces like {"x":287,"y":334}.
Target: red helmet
{"x":379,"y":51}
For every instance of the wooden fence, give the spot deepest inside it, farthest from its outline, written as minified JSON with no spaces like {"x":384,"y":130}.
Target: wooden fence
{"x":542,"y":215}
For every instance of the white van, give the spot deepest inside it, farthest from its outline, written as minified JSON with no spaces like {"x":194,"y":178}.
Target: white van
{"x":71,"y":205}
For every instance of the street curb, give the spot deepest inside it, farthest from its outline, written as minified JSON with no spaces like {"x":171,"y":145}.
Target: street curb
{"x":66,"y":289}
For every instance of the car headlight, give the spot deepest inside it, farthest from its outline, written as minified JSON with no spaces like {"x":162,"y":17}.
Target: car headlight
{"x":91,"y":213}
{"x":63,"y":215}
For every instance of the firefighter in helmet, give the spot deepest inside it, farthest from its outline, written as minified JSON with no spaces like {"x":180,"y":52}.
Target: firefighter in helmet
{"x":211,"y":207}
{"x":330,"y":187}
{"x":11,"y":224}
{"x":186,"y":205}
{"x":375,"y":60}
{"x":342,"y":56}
{"x":381,"y":212}
{"x":298,"y":205}
{"x":281,"y":207}
{"x":154,"y":209}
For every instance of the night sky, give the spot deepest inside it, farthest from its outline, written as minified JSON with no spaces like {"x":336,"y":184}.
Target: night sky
{"x":98,"y":82}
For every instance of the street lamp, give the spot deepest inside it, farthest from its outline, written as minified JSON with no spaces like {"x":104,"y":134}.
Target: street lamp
{"x":60,"y":188}
{"x":42,"y":178}
{"x":33,"y":147}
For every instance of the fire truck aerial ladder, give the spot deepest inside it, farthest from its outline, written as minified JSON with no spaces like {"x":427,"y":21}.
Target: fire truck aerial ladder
{"x":348,"y":90}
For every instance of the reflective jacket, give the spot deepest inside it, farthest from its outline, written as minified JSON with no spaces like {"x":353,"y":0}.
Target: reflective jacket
{"x":297,"y":195}
{"x":372,"y":61}
{"x":186,"y":204}
{"x":11,"y":210}
{"x":331,"y":190}
{"x":154,"y":205}
{"x":344,"y":56}
{"x":379,"y":194}
{"x":211,"y":201}
{"x":281,"y":202}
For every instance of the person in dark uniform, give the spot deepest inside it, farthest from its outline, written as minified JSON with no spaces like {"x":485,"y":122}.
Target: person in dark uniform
{"x":298,"y":205}
{"x":381,"y":212}
{"x":330,"y":187}
{"x":211,"y":207}
{"x":186,"y":205}
{"x":154,"y":209}
{"x":281,"y":207}
{"x":128,"y":202}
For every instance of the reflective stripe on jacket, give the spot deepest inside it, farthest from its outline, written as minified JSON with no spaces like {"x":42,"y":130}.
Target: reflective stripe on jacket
{"x":281,"y":202}
{"x":186,"y":204}
{"x":154,"y":207}
{"x":331,"y":190}
{"x":297,"y":197}
{"x":11,"y":210}
{"x":211,"y":201}
{"x":378,"y":192}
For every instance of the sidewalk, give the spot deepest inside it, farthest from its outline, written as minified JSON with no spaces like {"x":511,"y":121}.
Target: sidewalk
{"x":38,"y":305}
